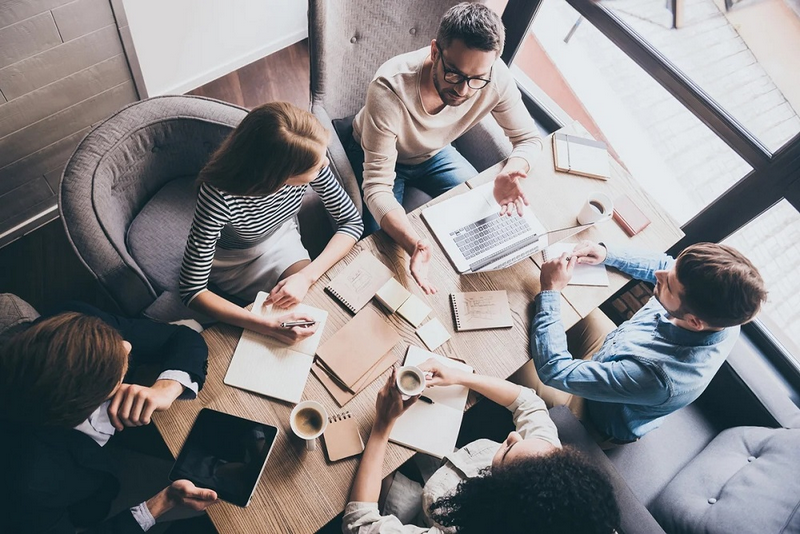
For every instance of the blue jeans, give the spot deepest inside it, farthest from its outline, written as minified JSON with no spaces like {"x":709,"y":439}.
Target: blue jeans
{"x":442,"y":172}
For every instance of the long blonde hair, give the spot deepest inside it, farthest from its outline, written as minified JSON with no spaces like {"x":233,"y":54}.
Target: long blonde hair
{"x":274,"y":142}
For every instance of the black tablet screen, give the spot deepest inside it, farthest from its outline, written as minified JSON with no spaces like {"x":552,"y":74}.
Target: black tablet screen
{"x":225,"y":453}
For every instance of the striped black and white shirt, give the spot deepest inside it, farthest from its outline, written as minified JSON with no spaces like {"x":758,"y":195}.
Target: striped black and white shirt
{"x":236,"y":222}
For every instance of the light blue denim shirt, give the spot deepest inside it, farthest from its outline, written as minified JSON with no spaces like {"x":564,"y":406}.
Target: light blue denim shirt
{"x":646,"y":369}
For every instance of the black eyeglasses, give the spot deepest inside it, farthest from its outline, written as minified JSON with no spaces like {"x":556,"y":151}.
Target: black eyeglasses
{"x":453,"y":77}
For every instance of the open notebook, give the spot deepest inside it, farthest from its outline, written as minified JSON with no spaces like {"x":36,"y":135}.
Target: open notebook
{"x":432,"y":428}
{"x":267,"y":366}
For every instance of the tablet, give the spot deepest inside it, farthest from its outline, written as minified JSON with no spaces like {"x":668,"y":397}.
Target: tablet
{"x":225,"y":453}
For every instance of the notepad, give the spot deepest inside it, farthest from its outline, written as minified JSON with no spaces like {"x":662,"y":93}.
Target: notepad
{"x":433,"y":334}
{"x":481,"y":310}
{"x":264,"y":365}
{"x":342,"y":439}
{"x":582,"y":274}
{"x":577,"y":155}
{"x":432,"y":428}
{"x":359,"y":281}
{"x":352,"y":351}
{"x":392,"y":295}
{"x":339,"y":392}
{"x":414,"y":310}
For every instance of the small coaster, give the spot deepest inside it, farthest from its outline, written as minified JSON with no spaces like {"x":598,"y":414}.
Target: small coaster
{"x":433,"y":334}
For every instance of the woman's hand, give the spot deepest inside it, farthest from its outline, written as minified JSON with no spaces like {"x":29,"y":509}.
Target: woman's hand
{"x":441,"y":375}
{"x":272,"y":328}
{"x":290,"y":291}
{"x":390,"y":404}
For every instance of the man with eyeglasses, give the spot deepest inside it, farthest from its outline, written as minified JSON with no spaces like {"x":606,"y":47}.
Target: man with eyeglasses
{"x":420,"y":102}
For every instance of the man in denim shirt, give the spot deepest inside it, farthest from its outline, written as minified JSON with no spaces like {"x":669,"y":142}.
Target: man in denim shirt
{"x":662,"y":358}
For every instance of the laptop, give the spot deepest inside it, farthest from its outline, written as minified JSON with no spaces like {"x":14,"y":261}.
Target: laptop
{"x":477,"y":238}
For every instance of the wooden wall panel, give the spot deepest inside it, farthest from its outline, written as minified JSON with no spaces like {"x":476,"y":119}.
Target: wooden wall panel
{"x":59,"y":62}
{"x":82,"y":17}
{"x":13,"y":11}
{"x":24,"y":197}
{"x":27,"y":38}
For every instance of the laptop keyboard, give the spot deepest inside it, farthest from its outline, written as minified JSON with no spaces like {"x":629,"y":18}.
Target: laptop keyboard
{"x":480,"y":236}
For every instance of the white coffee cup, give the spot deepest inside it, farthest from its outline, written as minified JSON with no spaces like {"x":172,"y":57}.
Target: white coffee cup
{"x":598,"y":208}
{"x":308,"y":421}
{"x":410,"y":381}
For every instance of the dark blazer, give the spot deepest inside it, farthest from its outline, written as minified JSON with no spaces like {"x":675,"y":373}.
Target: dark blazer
{"x":57,"y":479}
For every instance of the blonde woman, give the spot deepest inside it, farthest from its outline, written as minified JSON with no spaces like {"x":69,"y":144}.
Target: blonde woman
{"x":244,"y":236}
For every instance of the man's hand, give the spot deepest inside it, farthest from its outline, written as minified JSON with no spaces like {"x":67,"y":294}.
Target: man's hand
{"x":133,"y":405}
{"x":508,"y":192}
{"x":272,"y":328}
{"x":441,"y":375}
{"x":590,"y":253}
{"x":290,"y":291}
{"x":181,"y":493}
{"x":419,"y":266}
{"x":557,"y":272}
{"x":390,"y":404}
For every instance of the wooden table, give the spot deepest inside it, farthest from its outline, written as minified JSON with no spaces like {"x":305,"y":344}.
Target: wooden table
{"x":300,"y":491}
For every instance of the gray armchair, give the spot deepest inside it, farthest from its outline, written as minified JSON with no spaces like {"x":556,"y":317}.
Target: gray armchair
{"x":348,"y":41}
{"x":14,"y":312}
{"x":127,"y":198}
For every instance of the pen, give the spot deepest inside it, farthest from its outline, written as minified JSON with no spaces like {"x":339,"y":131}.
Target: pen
{"x":291,"y":324}
{"x":423,"y":398}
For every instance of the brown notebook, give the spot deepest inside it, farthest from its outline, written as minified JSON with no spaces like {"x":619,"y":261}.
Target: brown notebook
{"x":629,"y":216}
{"x":352,"y":351}
{"x":341,"y":394}
{"x":342,"y":438}
{"x":481,"y":310}
{"x":357,"y":283}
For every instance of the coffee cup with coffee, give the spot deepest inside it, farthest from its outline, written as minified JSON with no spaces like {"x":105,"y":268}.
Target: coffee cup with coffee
{"x":308,"y":421}
{"x":410,"y":381}
{"x":598,"y":208}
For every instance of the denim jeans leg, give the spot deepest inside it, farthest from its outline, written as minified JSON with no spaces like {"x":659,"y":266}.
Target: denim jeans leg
{"x":444,"y":171}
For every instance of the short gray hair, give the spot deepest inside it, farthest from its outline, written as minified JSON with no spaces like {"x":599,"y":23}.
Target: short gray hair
{"x":476,"y":25}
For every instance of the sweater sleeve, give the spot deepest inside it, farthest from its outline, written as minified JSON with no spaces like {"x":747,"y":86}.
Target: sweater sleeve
{"x":210,"y":216}
{"x":338,"y":204}
{"x":514,"y":118}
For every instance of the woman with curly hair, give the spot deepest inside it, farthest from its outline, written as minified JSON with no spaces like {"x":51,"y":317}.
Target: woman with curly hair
{"x":527,"y":484}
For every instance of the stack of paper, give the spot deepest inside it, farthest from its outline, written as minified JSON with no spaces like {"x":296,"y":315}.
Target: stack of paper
{"x":264,"y":365}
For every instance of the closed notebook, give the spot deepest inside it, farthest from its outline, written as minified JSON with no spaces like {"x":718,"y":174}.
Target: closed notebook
{"x":629,"y":216}
{"x":582,"y":274}
{"x":481,"y":310}
{"x":339,"y":392}
{"x":359,"y":281}
{"x":432,"y":428}
{"x":357,"y":346}
{"x":264,"y":365}
{"x":392,"y":295}
{"x":342,"y":438}
{"x":578,"y":155}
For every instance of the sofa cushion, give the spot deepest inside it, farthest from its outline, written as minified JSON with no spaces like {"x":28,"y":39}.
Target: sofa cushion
{"x":157,"y":236}
{"x":746,"y":480}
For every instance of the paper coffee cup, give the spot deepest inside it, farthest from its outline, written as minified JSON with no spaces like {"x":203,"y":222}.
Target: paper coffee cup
{"x":410,"y":381}
{"x":598,"y":208}
{"x":308,"y":421}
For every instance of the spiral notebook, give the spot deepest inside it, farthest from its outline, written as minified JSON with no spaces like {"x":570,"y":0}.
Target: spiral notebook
{"x":582,"y":274}
{"x":481,"y":310}
{"x":357,"y":283}
{"x":342,"y":439}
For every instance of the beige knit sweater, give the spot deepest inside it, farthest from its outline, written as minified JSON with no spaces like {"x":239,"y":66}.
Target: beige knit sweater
{"x":393,"y":126}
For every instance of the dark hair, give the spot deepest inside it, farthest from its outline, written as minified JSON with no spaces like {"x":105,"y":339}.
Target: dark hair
{"x":721,"y":286}
{"x":274,"y":142}
{"x":476,"y":25}
{"x":556,"y":493}
{"x":58,"y":371}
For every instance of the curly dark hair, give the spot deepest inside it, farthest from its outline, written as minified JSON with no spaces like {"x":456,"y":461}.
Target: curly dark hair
{"x":557,"y":493}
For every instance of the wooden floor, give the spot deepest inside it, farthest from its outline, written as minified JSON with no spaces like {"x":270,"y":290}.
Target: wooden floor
{"x":42,"y":267}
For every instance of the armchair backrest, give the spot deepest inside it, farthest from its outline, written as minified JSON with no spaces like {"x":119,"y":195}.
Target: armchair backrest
{"x":349,"y":40}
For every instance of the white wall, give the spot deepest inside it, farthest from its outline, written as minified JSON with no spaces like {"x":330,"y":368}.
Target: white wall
{"x":183,"y":44}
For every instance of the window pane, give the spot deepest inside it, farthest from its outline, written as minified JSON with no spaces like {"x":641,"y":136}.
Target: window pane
{"x":772,"y":242}
{"x":745,"y":57}
{"x":681,"y":163}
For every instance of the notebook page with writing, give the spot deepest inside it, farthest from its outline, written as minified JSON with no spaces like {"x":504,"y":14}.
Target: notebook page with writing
{"x":481,"y":310}
{"x":432,"y":428}
{"x":582,"y":274}
{"x":264,"y":365}
{"x":357,"y":283}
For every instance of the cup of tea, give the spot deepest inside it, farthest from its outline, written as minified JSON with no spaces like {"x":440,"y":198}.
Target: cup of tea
{"x":410,"y":381}
{"x":598,"y":208}
{"x":308,"y":421}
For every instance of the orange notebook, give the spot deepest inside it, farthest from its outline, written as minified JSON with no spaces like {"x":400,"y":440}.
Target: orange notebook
{"x":342,"y":439}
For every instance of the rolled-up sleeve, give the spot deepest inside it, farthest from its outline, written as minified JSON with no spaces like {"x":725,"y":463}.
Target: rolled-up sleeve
{"x":531,"y":418}
{"x":364,"y":518}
